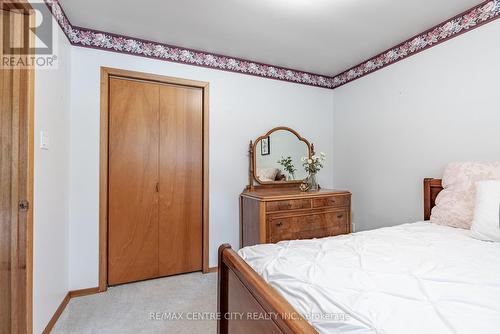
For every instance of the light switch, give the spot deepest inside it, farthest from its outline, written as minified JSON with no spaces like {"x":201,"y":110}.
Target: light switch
{"x":44,"y":140}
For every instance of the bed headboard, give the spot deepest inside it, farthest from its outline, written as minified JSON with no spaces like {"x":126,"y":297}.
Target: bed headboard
{"x":432,"y":187}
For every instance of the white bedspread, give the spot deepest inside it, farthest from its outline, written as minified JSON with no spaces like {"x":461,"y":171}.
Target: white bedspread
{"x":415,"y":278}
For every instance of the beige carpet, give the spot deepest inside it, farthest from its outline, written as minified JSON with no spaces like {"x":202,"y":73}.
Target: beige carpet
{"x":129,"y":308}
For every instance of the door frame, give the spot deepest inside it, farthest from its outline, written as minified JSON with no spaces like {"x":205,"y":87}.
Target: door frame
{"x":24,"y":98}
{"x":106,"y":74}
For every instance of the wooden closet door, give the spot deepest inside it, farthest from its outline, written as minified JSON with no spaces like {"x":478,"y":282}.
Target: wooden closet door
{"x":181,"y":179}
{"x":15,"y":180}
{"x":133,"y":177}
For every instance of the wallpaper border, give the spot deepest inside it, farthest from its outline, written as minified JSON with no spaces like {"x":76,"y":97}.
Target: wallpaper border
{"x":473,"y":18}
{"x":91,"y":38}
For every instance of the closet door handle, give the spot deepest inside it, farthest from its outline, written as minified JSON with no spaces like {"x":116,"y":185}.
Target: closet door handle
{"x":157,"y":187}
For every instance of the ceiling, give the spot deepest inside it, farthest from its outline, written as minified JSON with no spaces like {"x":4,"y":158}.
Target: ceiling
{"x":319,"y":36}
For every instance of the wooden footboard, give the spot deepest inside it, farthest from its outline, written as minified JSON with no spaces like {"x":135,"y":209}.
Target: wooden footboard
{"x":248,"y":305}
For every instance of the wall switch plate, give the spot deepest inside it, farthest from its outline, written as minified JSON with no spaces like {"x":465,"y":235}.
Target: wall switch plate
{"x":44,"y":140}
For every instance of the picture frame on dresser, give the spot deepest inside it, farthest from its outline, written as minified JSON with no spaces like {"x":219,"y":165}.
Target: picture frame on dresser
{"x":265,"y":146}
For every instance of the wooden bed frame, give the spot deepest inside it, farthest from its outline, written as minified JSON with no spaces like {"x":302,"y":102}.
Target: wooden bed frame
{"x":432,"y":187}
{"x":247,"y":304}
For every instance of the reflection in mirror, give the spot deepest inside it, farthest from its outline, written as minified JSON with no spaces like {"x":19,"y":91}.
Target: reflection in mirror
{"x":278,"y":157}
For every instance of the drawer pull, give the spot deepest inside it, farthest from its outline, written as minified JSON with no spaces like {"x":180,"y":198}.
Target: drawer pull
{"x":340,"y":216}
{"x":279,"y":224}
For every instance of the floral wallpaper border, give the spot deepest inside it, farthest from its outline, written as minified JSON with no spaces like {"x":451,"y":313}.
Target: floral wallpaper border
{"x":469,"y":20}
{"x":473,"y":18}
{"x":112,"y":42}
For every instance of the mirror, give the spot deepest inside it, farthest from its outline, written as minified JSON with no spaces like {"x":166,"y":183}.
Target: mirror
{"x":277,"y":156}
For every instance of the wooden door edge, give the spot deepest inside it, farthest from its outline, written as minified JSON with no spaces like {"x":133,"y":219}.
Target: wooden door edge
{"x":29,"y":85}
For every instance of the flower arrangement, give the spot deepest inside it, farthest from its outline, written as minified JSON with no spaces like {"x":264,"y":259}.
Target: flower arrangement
{"x":313,"y":164}
{"x":288,"y":166}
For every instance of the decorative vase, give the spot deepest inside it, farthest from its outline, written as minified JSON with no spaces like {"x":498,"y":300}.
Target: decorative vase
{"x":311,"y":181}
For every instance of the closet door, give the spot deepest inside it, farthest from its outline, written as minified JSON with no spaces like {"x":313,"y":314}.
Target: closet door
{"x":15,"y":179}
{"x":181,"y":179}
{"x":133,"y":181}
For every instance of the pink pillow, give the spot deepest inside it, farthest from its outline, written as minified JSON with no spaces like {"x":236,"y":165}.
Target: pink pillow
{"x":455,"y":204}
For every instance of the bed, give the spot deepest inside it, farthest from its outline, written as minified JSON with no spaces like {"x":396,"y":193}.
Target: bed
{"x":412,"y":278}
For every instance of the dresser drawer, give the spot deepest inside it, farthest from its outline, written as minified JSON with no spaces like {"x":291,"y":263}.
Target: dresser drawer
{"x":331,"y":201}
{"x":310,"y":226}
{"x":295,"y":204}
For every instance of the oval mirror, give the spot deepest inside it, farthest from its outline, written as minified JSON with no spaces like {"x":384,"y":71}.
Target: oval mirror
{"x":277,"y":156}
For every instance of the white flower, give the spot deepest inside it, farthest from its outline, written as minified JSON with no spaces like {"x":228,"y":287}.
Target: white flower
{"x":322,"y":154}
{"x":309,"y":161}
{"x":314,"y":157}
{"x":303,"y":159}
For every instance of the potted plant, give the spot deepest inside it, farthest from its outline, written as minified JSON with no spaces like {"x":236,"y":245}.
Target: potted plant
{"x":288,"y":166}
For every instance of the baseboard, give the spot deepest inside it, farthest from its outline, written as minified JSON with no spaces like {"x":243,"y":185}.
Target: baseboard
{"x":83,"y":292}
{"x":65,"y":301}
{"x":57,"y":314}
{"x":212,"y":270}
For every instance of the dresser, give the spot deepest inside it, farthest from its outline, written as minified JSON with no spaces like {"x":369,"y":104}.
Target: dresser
{"x":269,"y":215}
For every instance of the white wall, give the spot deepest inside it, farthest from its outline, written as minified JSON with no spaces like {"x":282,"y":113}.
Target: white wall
{"x":406,"y":122}
{"x":51,"y":188}
{"x":241,"y":108}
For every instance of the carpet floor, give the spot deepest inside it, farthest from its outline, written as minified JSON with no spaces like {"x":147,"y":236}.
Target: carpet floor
{"x":173,"y":305}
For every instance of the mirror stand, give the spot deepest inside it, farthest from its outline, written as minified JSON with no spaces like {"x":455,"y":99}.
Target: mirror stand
{"x":252,"y":167}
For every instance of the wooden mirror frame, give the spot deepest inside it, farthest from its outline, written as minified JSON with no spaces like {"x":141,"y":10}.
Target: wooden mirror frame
{"x":253,"y":161}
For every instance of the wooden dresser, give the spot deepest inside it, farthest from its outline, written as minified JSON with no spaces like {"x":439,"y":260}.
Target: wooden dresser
{"x":269,"y":215}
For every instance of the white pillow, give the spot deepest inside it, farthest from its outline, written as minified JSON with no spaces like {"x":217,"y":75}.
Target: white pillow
{"x":486,"y":223}
{"x":267,"y":174}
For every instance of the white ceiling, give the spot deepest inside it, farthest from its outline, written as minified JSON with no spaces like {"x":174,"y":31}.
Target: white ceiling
{"x":319,"y":36}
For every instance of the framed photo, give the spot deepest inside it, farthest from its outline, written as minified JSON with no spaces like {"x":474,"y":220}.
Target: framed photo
{"x":265,"y":146}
